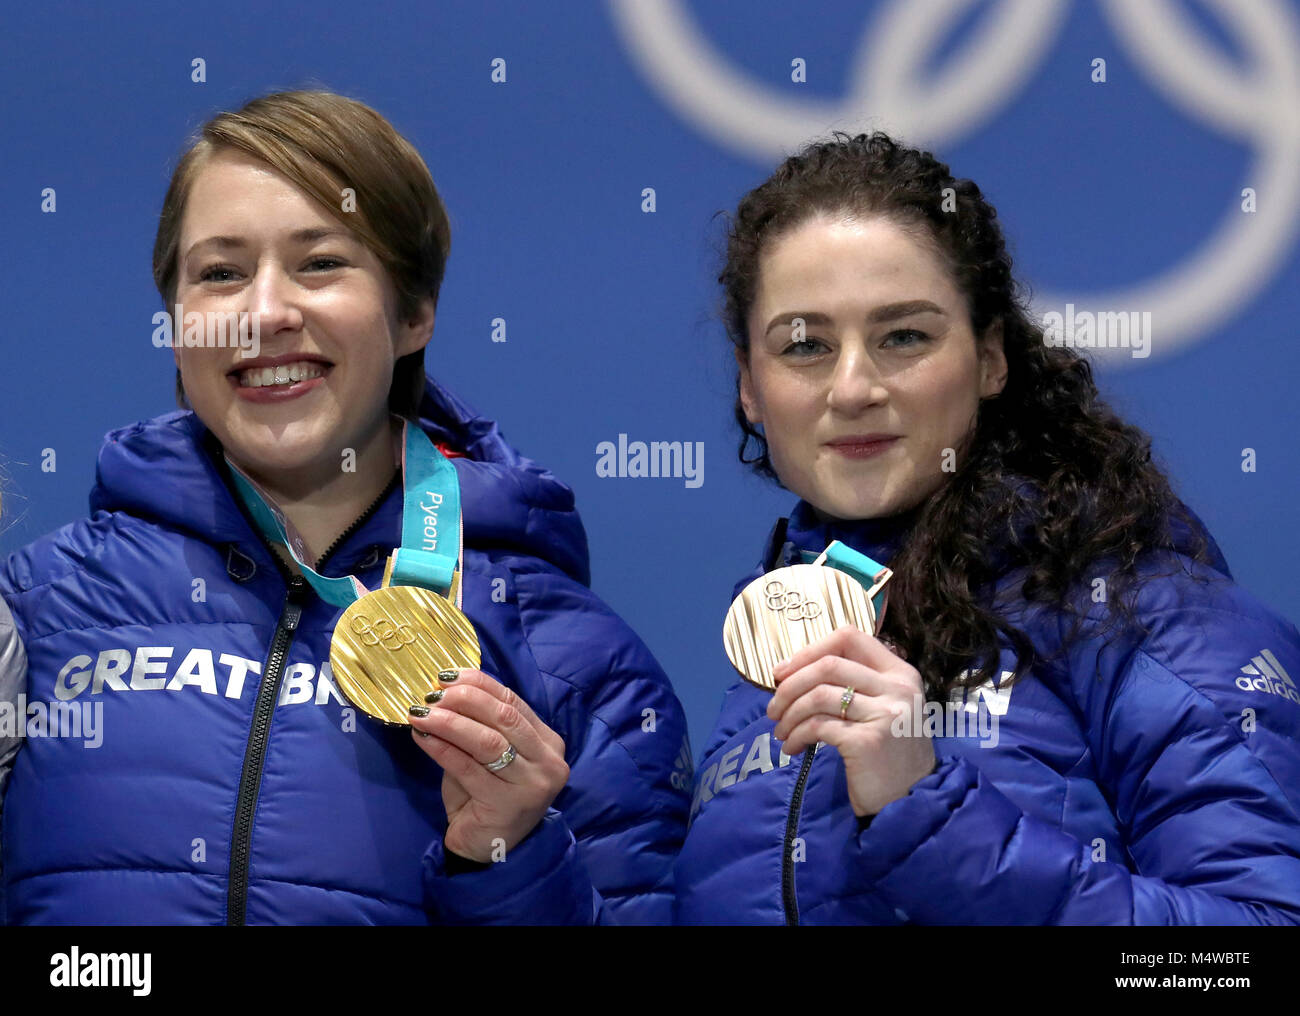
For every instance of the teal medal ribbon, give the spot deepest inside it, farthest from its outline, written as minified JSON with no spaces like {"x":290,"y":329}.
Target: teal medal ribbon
{"x":844,"y":558}
{"x":431,"y":550}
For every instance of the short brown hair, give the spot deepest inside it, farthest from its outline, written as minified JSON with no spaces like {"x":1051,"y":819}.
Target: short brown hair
{"x":324,"y":142}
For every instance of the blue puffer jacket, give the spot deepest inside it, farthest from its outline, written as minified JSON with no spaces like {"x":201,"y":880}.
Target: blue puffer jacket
{"x":229,"y":776}
{"x":1154,"y":780}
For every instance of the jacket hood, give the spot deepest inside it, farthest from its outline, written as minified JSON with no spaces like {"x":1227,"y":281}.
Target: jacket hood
{"x":167,"y":470}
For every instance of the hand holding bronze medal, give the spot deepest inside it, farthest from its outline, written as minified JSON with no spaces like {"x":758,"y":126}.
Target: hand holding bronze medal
{"x":391,"y":643}
{"x":785,"y":610}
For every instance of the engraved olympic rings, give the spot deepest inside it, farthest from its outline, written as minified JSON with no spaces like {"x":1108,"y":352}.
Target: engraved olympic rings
{"x":382,"y":631}
{"x":790,"y":602}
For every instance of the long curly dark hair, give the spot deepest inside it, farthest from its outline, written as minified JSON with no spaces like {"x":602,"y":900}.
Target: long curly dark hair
{"x":1051,"y":482}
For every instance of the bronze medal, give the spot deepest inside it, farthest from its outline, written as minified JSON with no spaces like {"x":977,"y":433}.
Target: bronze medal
{"x":389,"y":646}
{"x":779,"y":613}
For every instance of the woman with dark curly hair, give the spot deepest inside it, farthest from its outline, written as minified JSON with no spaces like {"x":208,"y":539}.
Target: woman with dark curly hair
{"x":1071,"y":714}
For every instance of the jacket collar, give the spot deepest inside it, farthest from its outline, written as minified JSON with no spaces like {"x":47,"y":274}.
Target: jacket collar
{"x":167,"y":470}
{"x":881,"y":538}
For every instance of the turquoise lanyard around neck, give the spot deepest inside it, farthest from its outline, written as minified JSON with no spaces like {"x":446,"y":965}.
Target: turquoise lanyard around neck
{"x":431,"y":524}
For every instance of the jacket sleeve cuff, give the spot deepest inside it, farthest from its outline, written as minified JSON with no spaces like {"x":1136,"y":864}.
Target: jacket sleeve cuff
{"x":942,"y":854}
{"x":541,"y":880}
{"x":893,"y":834}
{"x":864,"y":821}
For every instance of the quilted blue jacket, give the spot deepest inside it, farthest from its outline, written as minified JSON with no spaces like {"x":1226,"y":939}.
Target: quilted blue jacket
{"x":231,"y":782}
{"x":1154,"y":780}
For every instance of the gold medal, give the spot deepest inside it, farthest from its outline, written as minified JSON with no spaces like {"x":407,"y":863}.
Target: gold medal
{"x":779,"y":613}
{"x":389,"y":646}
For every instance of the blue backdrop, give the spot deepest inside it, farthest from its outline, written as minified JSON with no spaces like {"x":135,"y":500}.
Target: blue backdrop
{"x":1171,"y":186}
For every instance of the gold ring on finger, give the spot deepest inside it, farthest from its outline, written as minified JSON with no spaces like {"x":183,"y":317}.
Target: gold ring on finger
{"x":845,"y":700}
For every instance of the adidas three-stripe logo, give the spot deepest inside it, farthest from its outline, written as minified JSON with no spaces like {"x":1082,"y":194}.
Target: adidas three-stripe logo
{"x":1264,"y":673}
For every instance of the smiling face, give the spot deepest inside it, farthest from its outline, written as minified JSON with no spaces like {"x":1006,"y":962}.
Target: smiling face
{"x":859,"y":410}
{"x":329,"y":335}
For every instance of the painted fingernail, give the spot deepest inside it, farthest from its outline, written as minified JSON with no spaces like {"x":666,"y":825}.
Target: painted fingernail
{"x":447,"y":676}
{"x":419,"y":710}
{"x":434,"y":697}
{"x":423,"y":734}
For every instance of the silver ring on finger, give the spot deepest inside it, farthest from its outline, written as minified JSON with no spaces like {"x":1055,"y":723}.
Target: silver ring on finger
{"x":506,"y":758}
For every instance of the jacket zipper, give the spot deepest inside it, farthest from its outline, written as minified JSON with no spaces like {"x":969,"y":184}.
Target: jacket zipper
{"x":778,"y":550}
{"x":792,"y":827}
{"x":250,"y":780}
{"x":359,"y":521}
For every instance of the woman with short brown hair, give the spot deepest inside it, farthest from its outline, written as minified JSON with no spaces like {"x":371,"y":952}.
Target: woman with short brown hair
{"x":237,"y":782}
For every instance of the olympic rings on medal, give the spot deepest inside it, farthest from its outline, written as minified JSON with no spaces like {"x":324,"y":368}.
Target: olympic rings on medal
{"x":393,"y":636}
{"x":791,"y":602}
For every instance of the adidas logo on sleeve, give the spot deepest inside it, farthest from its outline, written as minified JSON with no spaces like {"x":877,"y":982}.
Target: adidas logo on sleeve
{"x":1264,"y":673}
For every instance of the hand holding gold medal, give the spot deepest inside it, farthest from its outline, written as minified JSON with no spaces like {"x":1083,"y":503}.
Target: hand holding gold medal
{"x":389,"y":645}
{"x":401,"y":649}
{"x":406,"y":646}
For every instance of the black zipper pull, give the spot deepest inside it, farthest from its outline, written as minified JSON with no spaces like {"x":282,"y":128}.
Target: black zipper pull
{"x":293,"y":603}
